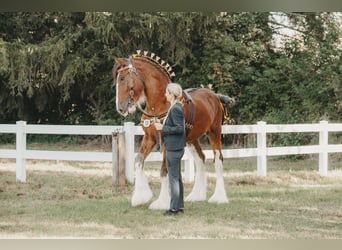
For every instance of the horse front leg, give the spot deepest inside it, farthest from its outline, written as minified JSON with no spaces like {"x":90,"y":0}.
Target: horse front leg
{"x":142,"y":192}
{"x":163,"y":201}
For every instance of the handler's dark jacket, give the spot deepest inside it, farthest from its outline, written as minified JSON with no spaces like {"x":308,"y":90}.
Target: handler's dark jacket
{"x":174,"y":128}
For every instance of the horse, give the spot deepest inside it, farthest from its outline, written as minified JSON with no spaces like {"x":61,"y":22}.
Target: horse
{"x":142,"y":79}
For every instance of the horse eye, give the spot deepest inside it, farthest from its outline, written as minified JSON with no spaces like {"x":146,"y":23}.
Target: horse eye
{"x":122,"y":78}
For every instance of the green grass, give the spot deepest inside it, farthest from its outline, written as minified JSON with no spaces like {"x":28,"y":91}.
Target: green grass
{"x":292,"y":202}
{"x":283,"y":205}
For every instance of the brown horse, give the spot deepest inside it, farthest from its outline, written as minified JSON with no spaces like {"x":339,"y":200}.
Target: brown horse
{"x":143,"y":78}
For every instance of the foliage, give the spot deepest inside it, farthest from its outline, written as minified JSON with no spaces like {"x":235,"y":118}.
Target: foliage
{"x":56,"y":67}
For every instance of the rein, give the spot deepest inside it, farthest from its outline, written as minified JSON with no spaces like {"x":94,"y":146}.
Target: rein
{"x":150,"y":115}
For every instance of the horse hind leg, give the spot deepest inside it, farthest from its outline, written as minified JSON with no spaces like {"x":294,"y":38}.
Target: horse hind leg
{"x":199,"y":191}
{"x":219,"y":195}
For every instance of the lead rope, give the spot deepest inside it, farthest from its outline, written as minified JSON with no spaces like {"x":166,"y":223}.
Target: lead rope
{"x":159,"y":140}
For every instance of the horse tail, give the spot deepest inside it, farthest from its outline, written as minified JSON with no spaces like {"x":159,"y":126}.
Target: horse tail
{"x":224,"y":99}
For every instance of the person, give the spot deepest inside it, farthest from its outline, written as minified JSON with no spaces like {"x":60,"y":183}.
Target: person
{"x":173,"y":129}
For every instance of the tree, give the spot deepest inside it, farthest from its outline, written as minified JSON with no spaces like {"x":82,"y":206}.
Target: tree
{"x":56,"y":67}
{"x":315,"y":57}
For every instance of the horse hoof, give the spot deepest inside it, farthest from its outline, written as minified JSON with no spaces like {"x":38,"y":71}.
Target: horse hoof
{"x":192,"y":197}
{"x":160,"y":205}
{"x":141,"y":199}
{"x":218,"y":200}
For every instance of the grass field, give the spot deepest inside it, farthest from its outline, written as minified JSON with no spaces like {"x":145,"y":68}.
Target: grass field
{"x":292,"y":202}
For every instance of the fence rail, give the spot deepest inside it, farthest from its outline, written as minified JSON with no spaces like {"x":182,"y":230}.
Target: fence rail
{"x":261,"y":129}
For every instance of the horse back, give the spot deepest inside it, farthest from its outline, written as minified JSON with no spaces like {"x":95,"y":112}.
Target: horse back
{"x":206,"y":110}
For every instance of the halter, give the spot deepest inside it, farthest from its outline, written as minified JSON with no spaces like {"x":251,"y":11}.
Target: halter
{"x":132,"y":70}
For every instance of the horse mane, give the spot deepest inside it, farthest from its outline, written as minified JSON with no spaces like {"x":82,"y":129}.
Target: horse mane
{"x":115,"y":70}
{"x":155,"y":60}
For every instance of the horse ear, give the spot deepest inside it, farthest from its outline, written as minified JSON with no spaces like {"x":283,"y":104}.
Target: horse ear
{"x":120,"y":61}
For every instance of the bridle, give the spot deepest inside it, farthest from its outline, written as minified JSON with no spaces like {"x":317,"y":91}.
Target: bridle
{"x":133,"y":71}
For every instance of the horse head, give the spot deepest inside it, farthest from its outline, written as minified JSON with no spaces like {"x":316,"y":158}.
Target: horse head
{"x":141,"y":78}
{"x":129,"y":86}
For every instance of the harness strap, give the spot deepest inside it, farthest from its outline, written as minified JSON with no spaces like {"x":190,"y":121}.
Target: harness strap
{"x":189,"y":120}
{"x":159,"y":116}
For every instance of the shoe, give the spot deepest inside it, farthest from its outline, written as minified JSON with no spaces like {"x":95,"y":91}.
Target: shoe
{"x":171,"y":212}
{"x":181,"y":210}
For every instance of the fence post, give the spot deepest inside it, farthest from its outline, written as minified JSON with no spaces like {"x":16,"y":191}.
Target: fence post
{"x":130,"y":150}
{"x":189,"y":172}
{"x":122,"y":158}
{"x":20,"y":148}
{"x":115,"y":158}
{"x":323,"y":144}
{"x":118,"y":150}
{"x":262,"y":150}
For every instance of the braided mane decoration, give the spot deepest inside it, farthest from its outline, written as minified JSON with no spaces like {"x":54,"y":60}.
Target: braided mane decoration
{"x":156,"y":60}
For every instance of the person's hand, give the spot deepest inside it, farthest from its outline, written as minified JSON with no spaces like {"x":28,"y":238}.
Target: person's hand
{"x":158,"y":125}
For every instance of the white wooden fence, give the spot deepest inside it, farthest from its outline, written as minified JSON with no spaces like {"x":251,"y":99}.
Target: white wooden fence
{"x":21,"y":153}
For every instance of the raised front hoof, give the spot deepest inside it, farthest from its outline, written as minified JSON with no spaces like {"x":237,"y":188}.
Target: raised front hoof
{"x":141,"y":199}
{"x":219,"y":200}
{"x":160,"y":204}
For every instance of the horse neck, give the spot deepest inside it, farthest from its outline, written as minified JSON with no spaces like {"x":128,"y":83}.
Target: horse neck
{"x":155,"y":96}
{"x":155,"y":85}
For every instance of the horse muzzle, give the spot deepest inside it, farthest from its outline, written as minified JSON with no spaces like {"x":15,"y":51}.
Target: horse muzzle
{"x":126,"y":108}
{"x":132,"y":109}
